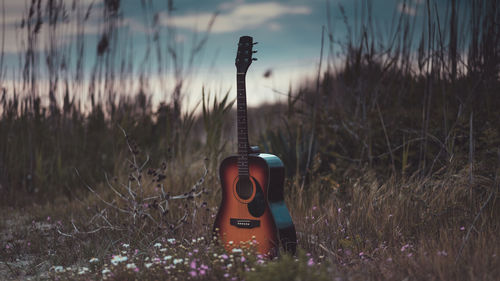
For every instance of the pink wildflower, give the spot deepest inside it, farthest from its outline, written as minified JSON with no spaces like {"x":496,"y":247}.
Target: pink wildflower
{"x":193,"y":265}
{"x":310,"y":262}
{"x":193,"y":273}
{"x":48,"y":218}
{"x":224,"y":256}
{"x":243,"y":259}
{"x":462,"y":228}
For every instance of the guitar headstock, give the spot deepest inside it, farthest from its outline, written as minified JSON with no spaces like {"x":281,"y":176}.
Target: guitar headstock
{"x":244,"y":55}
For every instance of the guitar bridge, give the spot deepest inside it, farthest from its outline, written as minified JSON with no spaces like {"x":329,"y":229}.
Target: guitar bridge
{"x":244,"y":223}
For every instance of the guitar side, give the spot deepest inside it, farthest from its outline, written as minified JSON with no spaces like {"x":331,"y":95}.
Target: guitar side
{"x":277,"y":206}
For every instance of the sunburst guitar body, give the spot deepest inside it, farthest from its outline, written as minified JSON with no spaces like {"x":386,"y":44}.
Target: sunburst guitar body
{"x":252,"y":213}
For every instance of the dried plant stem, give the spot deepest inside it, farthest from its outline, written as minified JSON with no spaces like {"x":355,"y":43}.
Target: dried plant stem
{"x":136,"y":206}
{"x":393,"y":166}
{"x":113,"y":189}
{"x":314,"y":110}
{"x":99,"y":196}
{"x":467,"y":236}
{"x":471,"y":148}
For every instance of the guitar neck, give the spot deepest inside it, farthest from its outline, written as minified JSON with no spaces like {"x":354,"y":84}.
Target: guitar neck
{"x":242,"y":125}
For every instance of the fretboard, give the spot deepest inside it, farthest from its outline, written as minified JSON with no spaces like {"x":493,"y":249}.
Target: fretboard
{"x":242,"y":125}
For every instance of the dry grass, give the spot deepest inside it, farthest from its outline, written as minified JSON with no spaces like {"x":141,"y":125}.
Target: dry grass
{"x":372,"y":230}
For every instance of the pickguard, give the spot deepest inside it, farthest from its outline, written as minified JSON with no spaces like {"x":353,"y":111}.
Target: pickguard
{"x":257,"y":206}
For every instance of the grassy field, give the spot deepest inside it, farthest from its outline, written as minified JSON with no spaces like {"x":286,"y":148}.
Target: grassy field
{"x":392,"y":159}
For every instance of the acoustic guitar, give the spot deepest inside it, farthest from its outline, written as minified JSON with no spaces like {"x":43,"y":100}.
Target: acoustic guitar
{"x":252,"y":212}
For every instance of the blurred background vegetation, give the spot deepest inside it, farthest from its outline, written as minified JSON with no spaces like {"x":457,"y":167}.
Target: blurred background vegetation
{"x":387,"y":103}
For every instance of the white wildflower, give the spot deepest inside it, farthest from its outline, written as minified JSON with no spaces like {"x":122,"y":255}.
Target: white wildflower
{"x":92,"y":260}
{"x":58,"y":268}
{"x":105,"y":271}
{"x":176,"y":261}
{"x":171,"y":240}
{"x":83,"y":270}
{"x":118,"y":259}
{"x":167,"y":258}
{"x":131,"y":266}
{"x":236,"y":250}
{"x":125,"y":245}
{"x":157,"y":245}
{"x":163,"y":249}
{"x":148,"y":265}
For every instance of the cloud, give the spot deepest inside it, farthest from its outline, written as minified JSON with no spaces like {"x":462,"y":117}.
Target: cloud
{"x":231,"y":5}
{"x":237,"y":17}
{"x":405,"y":9}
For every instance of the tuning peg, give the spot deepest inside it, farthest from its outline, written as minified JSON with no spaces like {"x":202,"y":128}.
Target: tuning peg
{"x":254,"y":58}
{"x":255,"y":43}
{"x":254,"y":52}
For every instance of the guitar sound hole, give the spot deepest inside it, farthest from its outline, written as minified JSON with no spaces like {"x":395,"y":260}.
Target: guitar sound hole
{"x":244,"y":188}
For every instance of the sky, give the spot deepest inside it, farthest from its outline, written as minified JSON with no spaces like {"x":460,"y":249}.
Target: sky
{"x":289,"y":35}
